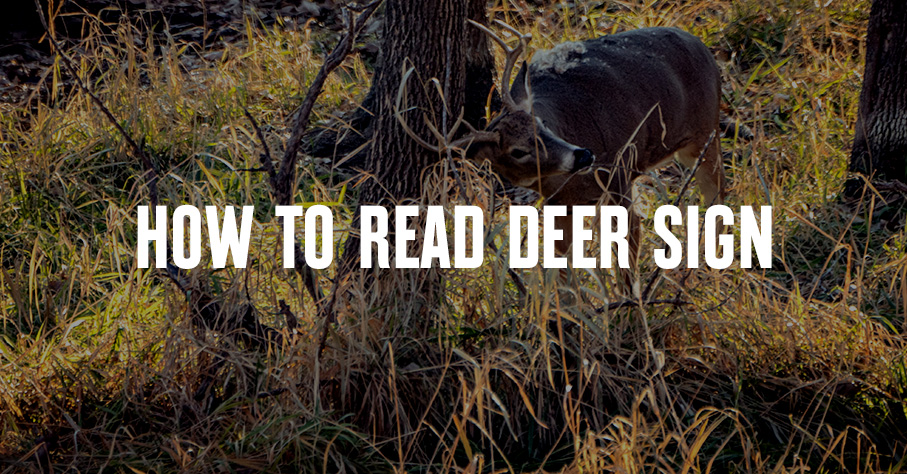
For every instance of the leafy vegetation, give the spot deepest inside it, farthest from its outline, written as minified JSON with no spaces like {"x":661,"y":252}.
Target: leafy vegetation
{"x":800,"y":367}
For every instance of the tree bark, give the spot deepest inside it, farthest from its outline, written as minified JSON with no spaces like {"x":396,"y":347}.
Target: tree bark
{"x":479,"y":82}
{"x":480,"y":70}
{"x":426,"y":35}
{"x":880,"y":140}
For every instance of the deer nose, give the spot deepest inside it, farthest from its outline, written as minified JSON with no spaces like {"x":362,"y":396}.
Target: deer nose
{"x":582,"y":157}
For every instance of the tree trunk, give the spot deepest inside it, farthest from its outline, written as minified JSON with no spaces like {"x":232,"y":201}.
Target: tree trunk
{"x":480,"y":70}
{"x":480,"y":73}
{"x":426,"y":35}
{"x":880,"y":140}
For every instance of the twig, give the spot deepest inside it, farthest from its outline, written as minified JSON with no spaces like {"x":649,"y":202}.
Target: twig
{"x":637,"y":304}
{"x":281,"y":183}
{"x":266,"y":162}
{"x":683,"y":190}
{"x":282,"y":179}
{"x":205,"y":305}
{"x":308,"y":275}
{"x":893,"y":185}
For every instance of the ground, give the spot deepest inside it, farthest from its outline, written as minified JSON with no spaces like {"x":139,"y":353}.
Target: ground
{"x":105,"y":367}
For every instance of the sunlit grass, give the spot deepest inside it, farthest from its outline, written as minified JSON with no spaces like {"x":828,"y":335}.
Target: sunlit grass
{"x":782,"y":370}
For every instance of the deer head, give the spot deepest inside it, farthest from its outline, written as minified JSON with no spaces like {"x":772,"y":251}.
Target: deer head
{"x":517,"y":144}
{"x":524,"y":150}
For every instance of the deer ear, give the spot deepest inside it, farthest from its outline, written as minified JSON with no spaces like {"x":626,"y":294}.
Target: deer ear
{"x":483,"y":147}
{"x":519,"y":91}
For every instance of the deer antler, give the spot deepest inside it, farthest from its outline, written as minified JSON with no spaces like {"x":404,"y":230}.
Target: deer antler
{"x":445,"y":142}
{"x":512,"y":54}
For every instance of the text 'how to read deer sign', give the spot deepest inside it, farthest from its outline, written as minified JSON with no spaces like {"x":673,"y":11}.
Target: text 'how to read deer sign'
{"x":579,"y":124}
{"x":383,"y":248}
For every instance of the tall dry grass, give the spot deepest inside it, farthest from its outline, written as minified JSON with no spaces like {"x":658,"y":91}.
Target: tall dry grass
{"x":800,"y":367}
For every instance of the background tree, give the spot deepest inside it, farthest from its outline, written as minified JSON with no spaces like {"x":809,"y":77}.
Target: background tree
{"x":426,"y":35}
{"x":433,"y":39}
{"x":880,"y":140}
{"x":480,"y":73}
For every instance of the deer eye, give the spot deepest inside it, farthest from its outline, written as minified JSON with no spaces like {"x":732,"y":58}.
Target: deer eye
{"x":518,"y":153}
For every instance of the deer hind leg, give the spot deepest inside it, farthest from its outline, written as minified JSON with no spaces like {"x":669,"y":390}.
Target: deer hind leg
{"x":710,"y":175}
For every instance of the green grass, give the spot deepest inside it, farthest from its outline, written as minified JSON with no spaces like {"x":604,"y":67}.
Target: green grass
{"x":799,"y":367}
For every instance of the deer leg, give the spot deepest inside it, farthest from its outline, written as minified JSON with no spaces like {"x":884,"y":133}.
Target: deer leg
{"x":710,"y":175}
{"x":627,"y":277}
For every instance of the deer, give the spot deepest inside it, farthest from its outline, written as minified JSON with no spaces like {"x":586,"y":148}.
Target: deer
{"x":584,"y":119}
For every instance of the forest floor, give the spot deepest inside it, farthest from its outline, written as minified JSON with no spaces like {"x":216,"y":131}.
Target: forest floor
{"x":105,"y":367}
{"x":25,"y":55}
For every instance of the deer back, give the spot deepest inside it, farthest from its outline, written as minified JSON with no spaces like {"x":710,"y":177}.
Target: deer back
{"x":655,"y":88}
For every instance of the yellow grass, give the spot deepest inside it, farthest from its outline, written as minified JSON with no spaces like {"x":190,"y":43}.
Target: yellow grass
{"x":801,"y":367}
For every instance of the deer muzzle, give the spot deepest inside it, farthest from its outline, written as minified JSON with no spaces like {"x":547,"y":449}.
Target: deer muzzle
{"x":582,"y":159}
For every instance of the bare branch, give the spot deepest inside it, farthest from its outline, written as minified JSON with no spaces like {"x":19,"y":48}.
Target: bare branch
{"x":638,"y":304}
{"x":266,"y":162}
{"x":282,"y":182}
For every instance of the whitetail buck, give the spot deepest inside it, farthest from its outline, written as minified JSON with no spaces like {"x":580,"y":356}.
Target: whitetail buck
{"x":584,"y":119}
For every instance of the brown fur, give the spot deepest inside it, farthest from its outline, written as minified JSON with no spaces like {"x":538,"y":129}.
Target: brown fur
{"x":635,"y":99}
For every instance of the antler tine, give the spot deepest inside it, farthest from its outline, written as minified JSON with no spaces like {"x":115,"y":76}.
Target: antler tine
{"x":434,"y":131}
{"x":399,"y":116}
{"x":444,"y":142}
{"x":497,"y":39}
{"x":412,"y":134}
{"x":512,"y":54}
{"x":456,"y":126}
{"x":509,"y":64}
{"x":516,"y":32}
